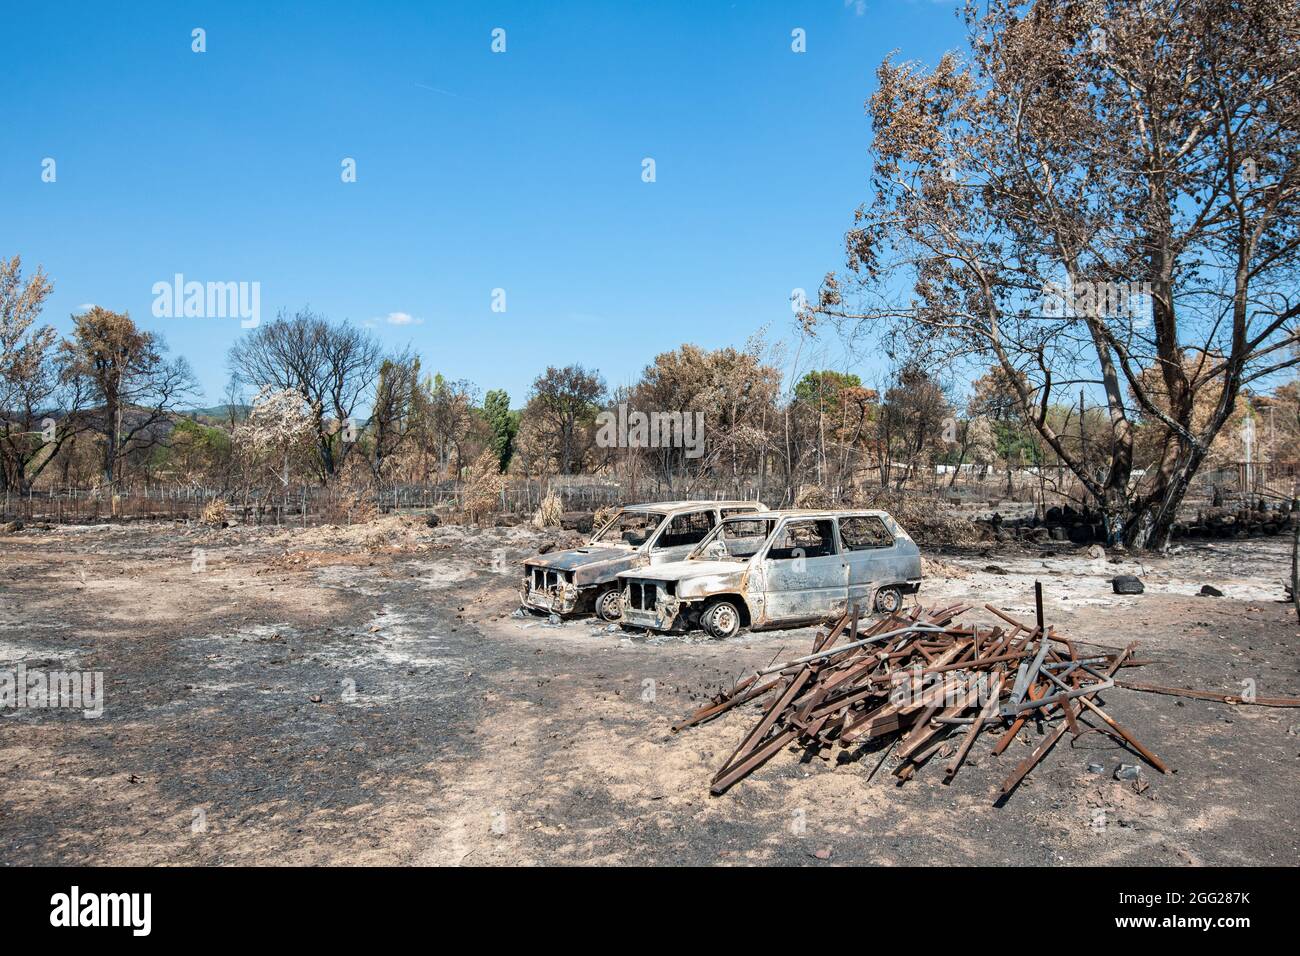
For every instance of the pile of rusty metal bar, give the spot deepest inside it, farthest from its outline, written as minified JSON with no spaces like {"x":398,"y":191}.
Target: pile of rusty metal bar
{"x":922,"y":686}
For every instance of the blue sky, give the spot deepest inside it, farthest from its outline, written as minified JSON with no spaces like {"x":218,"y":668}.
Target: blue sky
{"x":475,"y":170}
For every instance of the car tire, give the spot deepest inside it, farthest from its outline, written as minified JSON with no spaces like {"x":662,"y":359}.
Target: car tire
{"x":721,"y":619}
{"x":609,"y":604}
{"x":889,"y":600}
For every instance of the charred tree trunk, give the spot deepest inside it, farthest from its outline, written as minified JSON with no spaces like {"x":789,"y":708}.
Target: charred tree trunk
{"x":1295,"y":570}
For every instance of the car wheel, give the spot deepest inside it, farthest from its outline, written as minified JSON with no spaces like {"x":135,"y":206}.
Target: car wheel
{"x":721,"y":619}
{"x":609,"y":605}
{"x":889,"y":600}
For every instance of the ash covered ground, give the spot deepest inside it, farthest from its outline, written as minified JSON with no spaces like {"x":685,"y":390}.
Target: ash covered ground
{"x":363,"y":695}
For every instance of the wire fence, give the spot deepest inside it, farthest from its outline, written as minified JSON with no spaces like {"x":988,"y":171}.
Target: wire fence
{"x":340,"y":503}
{"x":312,"y":504}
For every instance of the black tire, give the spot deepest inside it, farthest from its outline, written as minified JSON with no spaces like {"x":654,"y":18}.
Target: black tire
{"x":609,"y":605}
{"x":889,"y":600}
{"x":721,"y":619}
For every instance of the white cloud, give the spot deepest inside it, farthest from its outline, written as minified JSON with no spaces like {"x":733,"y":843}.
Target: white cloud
{"x":85,"y":307}
{"x":403,"y":318}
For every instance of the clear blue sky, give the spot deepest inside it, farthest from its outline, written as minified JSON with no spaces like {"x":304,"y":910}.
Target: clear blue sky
{"x":475,"y":170}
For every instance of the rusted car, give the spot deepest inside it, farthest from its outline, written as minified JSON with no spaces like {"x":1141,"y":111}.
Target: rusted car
{"x":774,"y":569}
{"x":583,"y":580}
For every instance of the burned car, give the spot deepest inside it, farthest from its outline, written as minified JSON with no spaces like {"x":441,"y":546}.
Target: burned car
{"x":583,"y":580}
{"x":777,"y":568}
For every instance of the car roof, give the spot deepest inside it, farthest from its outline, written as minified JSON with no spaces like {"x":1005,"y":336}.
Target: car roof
{"x":825,"y":513}
{"x":670,"y":506}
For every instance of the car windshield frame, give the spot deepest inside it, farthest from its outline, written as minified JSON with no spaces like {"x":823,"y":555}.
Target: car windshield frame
{"x":698,"y":553}
{"x":597,"y":537}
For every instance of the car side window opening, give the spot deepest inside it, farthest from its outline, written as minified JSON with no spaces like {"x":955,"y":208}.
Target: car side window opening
{"x":630,"y":527}
{"x":685,"y":529}
{"x":864,"y":532}
{"x":741,"y":538}
{"x":806,"y":538}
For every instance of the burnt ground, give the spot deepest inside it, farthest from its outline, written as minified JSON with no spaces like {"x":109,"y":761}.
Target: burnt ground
{"x":449,"y":732}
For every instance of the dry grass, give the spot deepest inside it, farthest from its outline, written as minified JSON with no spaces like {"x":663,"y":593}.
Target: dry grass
{"x":214,"y":513}
{"x":602,"y":516}
{"x":548,"y":514}
{"x":482,"y":496}
{"x":928,"y":520}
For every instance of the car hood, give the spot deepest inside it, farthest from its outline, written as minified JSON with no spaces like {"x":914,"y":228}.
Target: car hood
{"x":590,"y":564}
{"x":696,"y":578}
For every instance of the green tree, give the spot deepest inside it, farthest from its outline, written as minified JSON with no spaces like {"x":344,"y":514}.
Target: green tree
{"x":194,"y":451}
{"x":503,"y":423}
{"x":825,"y":386}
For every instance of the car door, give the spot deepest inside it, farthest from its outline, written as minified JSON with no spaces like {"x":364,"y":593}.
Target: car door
{"x":871,"y":555}
{"x":680,"y":534}
{"x":804,"y":574}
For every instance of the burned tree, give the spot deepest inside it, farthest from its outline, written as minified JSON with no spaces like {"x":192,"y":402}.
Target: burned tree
{"x":448,"y":418}
{"x":1102,"y":190}
{"x":41,"y":397}
{"x":274,"y":444}
{"x":394,"y":411}
{"x":332,"y":366}
{"x":562,"y":405}
{"x":135,"y":389}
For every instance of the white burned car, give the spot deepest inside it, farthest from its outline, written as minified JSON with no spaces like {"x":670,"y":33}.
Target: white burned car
{"x":583,"y":580}
{"x":777,"y":568}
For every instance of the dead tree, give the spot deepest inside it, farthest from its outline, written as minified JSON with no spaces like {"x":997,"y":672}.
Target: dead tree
{"x":1105,"y":194}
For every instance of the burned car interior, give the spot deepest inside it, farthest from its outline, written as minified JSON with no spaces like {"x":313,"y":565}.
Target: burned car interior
{"x":736,"y":539}
{"x":803,"y":539}
{"x":864,"y":532}
{"x":686,"y":529}
{"x":629,"y":527}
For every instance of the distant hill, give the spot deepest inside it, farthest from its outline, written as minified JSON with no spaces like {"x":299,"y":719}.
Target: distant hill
{"x":217,"y":411}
